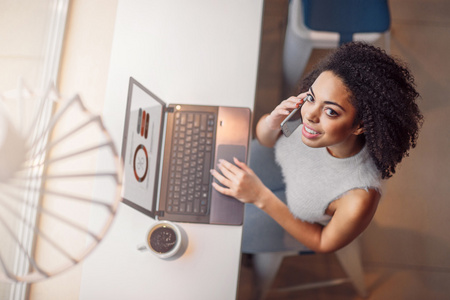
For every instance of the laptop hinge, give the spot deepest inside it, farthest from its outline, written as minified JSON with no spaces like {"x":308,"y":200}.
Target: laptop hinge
{"x":159,"y":213}
{"x":170,"y":109}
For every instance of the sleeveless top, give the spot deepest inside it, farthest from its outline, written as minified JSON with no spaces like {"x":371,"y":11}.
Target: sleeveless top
{"x":314,"y":178}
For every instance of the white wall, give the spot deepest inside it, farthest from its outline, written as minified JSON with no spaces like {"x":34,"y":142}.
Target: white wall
{"x":84,"y":70}
{"x":23,"y":29}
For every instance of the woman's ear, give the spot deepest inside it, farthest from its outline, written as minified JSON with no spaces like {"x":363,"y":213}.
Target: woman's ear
{"x":359,"y":129}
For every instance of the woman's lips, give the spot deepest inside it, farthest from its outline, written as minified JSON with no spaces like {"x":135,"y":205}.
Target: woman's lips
{"x":309,"y":133}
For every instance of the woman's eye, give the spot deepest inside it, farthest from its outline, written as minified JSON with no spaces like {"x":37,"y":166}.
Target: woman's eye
{"x":331,"y":112}
{"x":309,"y":98}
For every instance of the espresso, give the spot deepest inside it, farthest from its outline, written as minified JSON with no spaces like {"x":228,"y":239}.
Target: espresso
{"x":163,"y":239}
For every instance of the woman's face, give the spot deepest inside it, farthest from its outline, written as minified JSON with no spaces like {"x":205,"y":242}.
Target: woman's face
{"x":328,"y":117}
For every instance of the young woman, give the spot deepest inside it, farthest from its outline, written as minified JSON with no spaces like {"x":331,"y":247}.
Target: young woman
{"x":360,"y":118}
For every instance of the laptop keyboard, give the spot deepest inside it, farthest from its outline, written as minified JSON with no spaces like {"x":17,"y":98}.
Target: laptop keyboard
{"x":190,"y":164}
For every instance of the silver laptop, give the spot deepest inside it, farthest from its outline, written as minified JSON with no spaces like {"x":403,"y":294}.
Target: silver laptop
{"x":168,"y":152}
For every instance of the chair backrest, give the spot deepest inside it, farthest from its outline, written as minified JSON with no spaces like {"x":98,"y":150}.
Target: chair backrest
{"x":347,"y":17}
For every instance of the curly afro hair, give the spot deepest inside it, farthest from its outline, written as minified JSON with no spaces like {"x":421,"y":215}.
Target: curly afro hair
{"x":384,"y":95}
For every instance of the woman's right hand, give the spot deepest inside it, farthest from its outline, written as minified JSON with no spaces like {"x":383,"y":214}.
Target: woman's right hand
{"x":268,"y":128}
{"x":280,"y":112}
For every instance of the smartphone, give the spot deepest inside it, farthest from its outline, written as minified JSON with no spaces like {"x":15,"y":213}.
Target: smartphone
{"x":292,"y":121}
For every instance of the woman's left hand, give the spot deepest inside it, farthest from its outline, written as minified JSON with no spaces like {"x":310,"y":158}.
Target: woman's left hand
{"x":239,"y":181}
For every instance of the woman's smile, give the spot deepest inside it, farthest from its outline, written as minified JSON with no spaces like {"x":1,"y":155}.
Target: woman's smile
{"x":309,"y":132}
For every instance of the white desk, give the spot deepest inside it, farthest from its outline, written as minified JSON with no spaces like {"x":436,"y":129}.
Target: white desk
{"x":201,"y":52}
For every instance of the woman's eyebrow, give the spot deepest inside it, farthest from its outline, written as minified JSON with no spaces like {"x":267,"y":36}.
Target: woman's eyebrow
{"x":326,"y":102}
{"x":334,"y":103}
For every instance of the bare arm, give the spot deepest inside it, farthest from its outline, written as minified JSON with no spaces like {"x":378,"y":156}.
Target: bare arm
{"x":351,"y":213}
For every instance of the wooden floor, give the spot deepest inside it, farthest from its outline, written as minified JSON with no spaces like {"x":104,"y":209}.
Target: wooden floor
{"x":383,"y":281}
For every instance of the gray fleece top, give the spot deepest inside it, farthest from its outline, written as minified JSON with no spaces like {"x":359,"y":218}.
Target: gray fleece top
{"x":314,"y":178}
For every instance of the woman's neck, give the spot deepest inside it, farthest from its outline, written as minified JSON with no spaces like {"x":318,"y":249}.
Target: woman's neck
{"x":348,"y":149}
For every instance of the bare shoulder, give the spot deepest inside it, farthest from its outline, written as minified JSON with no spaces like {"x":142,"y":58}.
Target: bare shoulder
{"x":358,"y":204}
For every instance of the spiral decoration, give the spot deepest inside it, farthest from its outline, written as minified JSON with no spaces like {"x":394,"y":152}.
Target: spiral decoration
{"x":60,"y":183}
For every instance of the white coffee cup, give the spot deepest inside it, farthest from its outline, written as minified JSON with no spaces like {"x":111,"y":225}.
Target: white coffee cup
{"x":163,"y":239}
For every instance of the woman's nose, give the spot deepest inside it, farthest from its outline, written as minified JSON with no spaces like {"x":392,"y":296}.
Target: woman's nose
{"x":312,"y":113}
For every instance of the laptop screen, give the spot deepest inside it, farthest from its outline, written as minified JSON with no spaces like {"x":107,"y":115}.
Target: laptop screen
{"x":141,"y":146}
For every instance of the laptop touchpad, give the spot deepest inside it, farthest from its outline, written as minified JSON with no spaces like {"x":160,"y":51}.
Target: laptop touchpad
{"x":228,"y":152}
{"x":225,"y":209}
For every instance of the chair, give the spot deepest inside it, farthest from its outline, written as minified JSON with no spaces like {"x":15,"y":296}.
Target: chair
{"x":269,"y":243}
{"x":325,"y":24}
